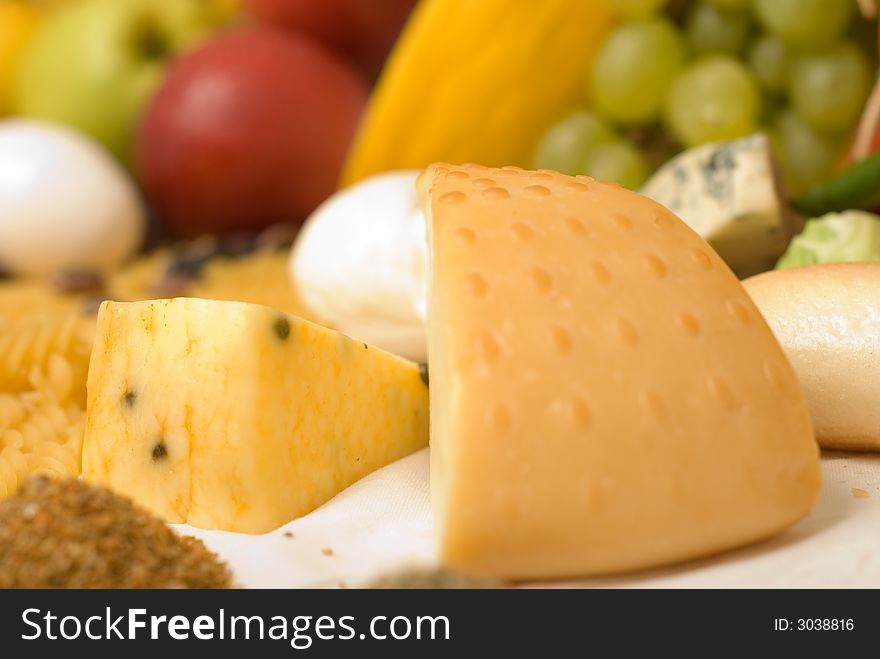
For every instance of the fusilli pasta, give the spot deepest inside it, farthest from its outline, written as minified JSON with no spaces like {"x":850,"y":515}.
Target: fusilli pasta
{"x":41,"y":429}
{"x":29,"y":342}
{"x":20,"y":298}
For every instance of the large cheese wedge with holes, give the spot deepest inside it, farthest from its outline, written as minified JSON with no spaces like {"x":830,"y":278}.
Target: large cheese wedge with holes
{"x":604,"y":394}
{"x":239,"y":417}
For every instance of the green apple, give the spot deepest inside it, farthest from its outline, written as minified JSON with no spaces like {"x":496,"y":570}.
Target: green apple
{"x":94,"y":65}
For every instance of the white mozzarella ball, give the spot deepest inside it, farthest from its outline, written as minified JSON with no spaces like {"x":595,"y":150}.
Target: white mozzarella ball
{"x":360,"y":263}
{"x":64,"y":202}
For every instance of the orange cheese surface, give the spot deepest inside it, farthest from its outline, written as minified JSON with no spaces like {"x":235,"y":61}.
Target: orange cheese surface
{"x":604,"y":394}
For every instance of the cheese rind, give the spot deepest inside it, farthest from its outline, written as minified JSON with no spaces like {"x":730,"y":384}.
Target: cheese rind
{"x":604,"y":394}
{"x":233,"y":416}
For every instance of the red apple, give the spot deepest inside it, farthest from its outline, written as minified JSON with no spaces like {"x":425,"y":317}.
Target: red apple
{"x":250,"y":129}
{"x":363,"y":31}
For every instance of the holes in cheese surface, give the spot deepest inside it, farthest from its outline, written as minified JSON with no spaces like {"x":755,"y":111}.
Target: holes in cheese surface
{"x":721,"y":391}
{"x":600,"y":273}
{"x":664,"y":219}
{"x":499,"y":418}
{"x":475,"y":285}
{"x":453,"y":198}
{"x":281,"y":326}
{"x":575,"y":186}
{"x":737,"y":310}
{"x":486,"y":348}
{"x":700,"y":258}
{"x":575,"y":226}
{"x":561,"y":340}
{"x":159,"y":452}
{"x":621,"y":221}
{"x":603,"y":409}
{"x":465,"y":236}
{"x":540,"y":279}
{"x":773,"y":373}
{"x":626,"y":332}
{"x":653,"y":403}
{"x":537,"y":191}
{"x":655,"y":265}
{"x":495,"y":193}
{"x":688,"y":324}
{"x":571,"y":412}
{"x":522,"y":231}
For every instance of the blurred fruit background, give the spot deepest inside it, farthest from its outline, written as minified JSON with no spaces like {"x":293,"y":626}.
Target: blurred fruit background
{"x":231,"y":116}
{"x":18,"y":21}
{"x":672,"y":75}
{"x":227,"y":115}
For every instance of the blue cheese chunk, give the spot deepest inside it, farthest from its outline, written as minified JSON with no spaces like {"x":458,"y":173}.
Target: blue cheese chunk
{"x":727,"y":192}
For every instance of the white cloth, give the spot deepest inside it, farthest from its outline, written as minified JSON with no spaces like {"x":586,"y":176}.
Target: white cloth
{"x":383,"y":523}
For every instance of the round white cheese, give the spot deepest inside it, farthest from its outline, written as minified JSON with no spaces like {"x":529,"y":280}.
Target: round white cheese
{"x":360,"y":263}
{"x":64,"y":202}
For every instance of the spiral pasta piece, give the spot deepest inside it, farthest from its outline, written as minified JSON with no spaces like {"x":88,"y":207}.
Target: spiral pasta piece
{"x":20,"y":298}
{"x":41,"y":428}
{"x":30,"y":342}
{"x":13,"y":470}
{"x":52,"y":460}
{"x":12,"y":411}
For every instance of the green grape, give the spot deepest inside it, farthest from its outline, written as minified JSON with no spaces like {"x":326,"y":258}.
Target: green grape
{"x":632,"y":71}
{"x":633,"y":10}
{"x":713,"y":30}
{"x":617,"y":161}
{"x":768,"y":60}
{"x":805,"y":155}
{"x":863,"y":33}
{"x":732,"y":5}
{"x":771,"y":106}
{"x":715,"y":98}
{"x":564,"y":145}
{"x":829,"y":88}
{"x":805,"y":23}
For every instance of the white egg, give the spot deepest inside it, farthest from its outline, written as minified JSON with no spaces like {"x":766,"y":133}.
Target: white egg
{"x":64,"y":202}
{"x":360,"y":263}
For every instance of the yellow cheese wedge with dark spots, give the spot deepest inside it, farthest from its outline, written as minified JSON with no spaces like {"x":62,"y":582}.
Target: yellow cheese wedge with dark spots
{"x":234,"y":416}
{"x":604,"y":394}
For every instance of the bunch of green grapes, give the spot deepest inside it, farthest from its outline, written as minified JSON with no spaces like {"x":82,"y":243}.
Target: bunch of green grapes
{"x":676,"y":74}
